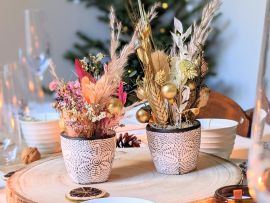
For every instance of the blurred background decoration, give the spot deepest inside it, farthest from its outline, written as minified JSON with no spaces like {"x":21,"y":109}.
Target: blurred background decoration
{"x":162,"y":26}
{"x":235,"y":51}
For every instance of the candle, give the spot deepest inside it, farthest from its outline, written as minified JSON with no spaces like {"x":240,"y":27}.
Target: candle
{"x":233,"y":193}
{"x":238,"y":194}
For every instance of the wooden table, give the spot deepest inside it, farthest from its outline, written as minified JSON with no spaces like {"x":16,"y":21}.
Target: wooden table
{"x":239,"y":154}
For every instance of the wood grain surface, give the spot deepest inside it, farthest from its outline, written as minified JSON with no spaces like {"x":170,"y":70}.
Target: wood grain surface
{"x":133,"y":175}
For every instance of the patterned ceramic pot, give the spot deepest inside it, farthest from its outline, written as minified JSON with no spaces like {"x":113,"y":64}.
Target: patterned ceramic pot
{"x":88,"y":161}
{"x":174,"y":151}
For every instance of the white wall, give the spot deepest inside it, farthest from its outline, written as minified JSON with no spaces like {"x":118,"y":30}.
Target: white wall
{"x":241,"y":24}
{"x":237,"y":53}
{"x":62,"y":20}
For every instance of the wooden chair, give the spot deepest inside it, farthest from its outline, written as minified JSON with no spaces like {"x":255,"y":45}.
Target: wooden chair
{"x":221,"y":106}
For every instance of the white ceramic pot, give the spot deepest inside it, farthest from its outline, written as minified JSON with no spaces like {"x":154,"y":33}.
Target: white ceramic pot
{"x":174,"y":151}
{"x":218,"y":136}
{"x":88,"y":161}
{"x":44,"y":134}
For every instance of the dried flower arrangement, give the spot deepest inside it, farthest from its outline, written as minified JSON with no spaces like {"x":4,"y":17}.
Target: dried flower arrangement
{"x":93,"y":105}
{"x":173,"y":83}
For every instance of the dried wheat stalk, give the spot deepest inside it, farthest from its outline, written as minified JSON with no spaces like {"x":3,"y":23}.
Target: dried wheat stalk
{"x":144,"y":52}
{"x":152,"y":12}
{"x":157,"y":103}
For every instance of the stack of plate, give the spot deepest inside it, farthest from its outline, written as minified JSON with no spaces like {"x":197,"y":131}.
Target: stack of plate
{"x":43,"y":134}
{"x":218,"y":136}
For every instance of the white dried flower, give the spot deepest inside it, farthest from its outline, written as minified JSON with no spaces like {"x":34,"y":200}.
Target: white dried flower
{"x":188,"y":69}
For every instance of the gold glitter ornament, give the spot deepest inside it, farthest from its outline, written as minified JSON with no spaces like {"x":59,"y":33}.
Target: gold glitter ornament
{"x":169,"y":90}
{"x":115,"y":106}
{"x":143,"y":116}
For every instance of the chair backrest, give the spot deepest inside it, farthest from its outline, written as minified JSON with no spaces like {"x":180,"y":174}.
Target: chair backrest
{"x":221,"y":106}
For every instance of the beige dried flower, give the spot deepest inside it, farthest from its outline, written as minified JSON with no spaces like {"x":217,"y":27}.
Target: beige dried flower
{"x":160,"y":62}
{"x":188,"y":69}
{"x":160,"y":78}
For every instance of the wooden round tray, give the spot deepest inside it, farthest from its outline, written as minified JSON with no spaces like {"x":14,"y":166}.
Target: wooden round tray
{"x":133,"y":175}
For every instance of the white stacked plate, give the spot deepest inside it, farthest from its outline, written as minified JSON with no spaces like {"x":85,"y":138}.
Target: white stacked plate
{"x":43,"y":134}
{"x":218,"y":136}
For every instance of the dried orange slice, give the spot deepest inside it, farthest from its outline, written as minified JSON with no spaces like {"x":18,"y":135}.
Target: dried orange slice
{"x":7,"y":175}
{"x":85,"y":193}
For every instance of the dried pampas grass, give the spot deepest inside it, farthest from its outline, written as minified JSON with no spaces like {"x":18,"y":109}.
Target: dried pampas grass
{"x":109,"y":81}
{"x":202,"y":30}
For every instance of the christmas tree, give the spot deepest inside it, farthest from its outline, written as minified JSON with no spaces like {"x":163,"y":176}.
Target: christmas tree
{"x":186,"y":10}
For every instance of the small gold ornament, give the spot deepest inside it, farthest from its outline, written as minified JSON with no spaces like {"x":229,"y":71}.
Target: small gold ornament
{"x":140,"y":93}
{"x":143,"y":115}
{"x":115,"y":106}
{"x":169,"y":90}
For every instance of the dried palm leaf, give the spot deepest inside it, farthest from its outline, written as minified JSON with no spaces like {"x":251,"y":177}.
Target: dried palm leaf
{"x":202,"y":30}
{"x":115,"y":33}
{"x":109,"y":81}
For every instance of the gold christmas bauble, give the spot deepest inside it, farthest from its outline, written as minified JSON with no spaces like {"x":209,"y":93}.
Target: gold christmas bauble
{"x":140,"y":93}
{"x":143,"y":115}
{"x":115,"y":106}
{"x":169,"y":90}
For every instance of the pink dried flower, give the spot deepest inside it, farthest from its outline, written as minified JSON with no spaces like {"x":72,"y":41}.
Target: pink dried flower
{"x":53,"y":85}
{"x":122,"y":96}
{"x":81,"y":72}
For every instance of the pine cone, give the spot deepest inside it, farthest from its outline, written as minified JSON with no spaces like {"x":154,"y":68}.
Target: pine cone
{"x":126,"y":140}
{"x":160,"y":78}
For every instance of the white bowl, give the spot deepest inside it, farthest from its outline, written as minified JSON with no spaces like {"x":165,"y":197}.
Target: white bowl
{"x":218,"y":136}
{"x":44,"y":134}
